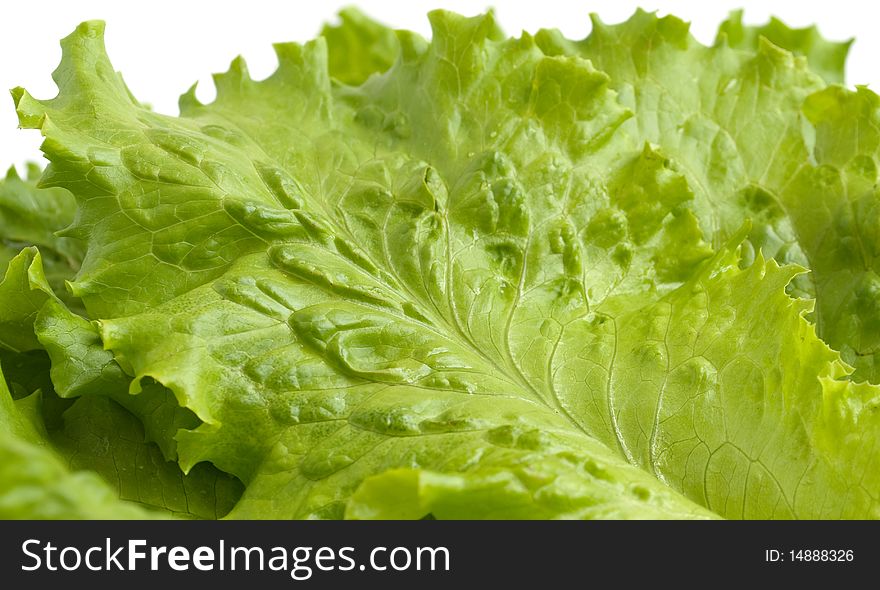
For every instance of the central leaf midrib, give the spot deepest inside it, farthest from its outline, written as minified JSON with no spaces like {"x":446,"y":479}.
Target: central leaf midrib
{"x":445,"y":326}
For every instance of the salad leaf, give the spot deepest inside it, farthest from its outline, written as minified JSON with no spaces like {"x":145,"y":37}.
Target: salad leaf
{"x":754,"y":137}
{"x":52,"y":475}
{"x":30,"y":216}
{"x":358,"y":47}
{"x":94,"y":433}
{"x":471,"y":277}
{"x":35,"y":482}
{"x":826,"y":58}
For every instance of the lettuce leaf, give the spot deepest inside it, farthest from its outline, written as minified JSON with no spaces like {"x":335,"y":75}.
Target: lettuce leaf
{"x":107,"y":451}
{"x":476,"y":276}
{"x":358,"y":47}
{"x":35,"y":482}
{"x":762,"y":139}
{"x":30,"y":216}
{"x":826,"y":58}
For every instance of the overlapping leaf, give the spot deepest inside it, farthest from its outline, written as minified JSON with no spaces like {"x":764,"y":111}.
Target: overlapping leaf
{"x":753,"y":134}
{"x":69,"y":441}
{"x":476,"y":284}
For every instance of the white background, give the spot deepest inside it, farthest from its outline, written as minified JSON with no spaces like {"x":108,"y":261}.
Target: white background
{"x":163,"y":46}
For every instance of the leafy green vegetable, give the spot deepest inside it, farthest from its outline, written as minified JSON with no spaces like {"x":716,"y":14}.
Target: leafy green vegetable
{"x":95,"y":432}
{"x":476,"y":277}
{"x":358,"y":47}
{"x":35,"y":483}
{"x":826,"y":58}
{"x":32,"y":217}
{"x":739,"y":134}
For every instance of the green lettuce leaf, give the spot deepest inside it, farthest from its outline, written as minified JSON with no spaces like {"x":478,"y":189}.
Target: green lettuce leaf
{"x":35,"y":482}
{"x":826,"y":58}
{"x":496,"y":278}
{"x":94,"y":433}
{"x":358,"y":47}
{"x":97,"y":434}
{"x":94,"y":464}
{"x":759,"y":138}
{"x":31,"y":216}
